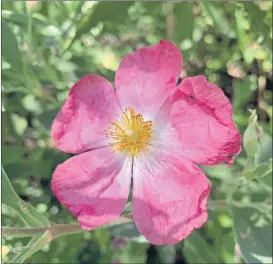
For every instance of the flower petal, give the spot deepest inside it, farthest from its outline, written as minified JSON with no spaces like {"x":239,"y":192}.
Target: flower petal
{"x":94,"y":186}
{"x":90,"y":107}
{"x":169,"y":198}
{"x":147,"y":76}
{"x":201,"y":115}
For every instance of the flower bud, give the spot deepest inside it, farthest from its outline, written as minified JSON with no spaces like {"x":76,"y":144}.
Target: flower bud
{"x":252,"y":135}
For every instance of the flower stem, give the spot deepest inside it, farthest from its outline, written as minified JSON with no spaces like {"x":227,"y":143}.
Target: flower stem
{"x":170,"y":21}
{"x":219,"y":203}
{"x":22,"y":232}
{"x":56,"y":229}
{"x":65,"y":229}
{"x":237,"y":254}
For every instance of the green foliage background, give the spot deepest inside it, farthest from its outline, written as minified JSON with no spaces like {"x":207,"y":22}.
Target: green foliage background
{"x":49,"y":45}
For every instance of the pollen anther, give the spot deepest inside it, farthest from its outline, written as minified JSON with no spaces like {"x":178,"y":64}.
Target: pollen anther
{"x":130,"y":133}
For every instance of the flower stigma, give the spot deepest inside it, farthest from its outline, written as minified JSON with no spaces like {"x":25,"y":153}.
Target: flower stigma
{"x":130,"y":133}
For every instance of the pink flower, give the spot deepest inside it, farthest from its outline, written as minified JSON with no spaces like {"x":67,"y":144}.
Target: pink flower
{"x":147,"y":130}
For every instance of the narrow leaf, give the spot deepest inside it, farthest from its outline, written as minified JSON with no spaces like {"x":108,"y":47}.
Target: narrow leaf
{"x":10,"y":50}
{"x":131,"y":252}
{"x":198,"y":250}
{"x":253,"y":234}
{"x":166,"y":253}
{"x":262,"y":170}
{"x":265,"y":150}
{"x":215,"y":11}
{"x":10,"y":198}
{"x":21,"y":19}
{"x":242,"y":36}
{"x":124,"y":230}
{"x":183,"y":13}
{"x":35,"y":244}
{"x":242,"y":91}
{"x":101,"y":12}
{"x":258,"y":26}
{"x":12,"y":154}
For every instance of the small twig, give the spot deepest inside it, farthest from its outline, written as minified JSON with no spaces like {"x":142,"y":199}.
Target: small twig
{"x":169,"y":22}
{"x":237,"y":254}
{"x":220,"y":203}
{"x":23,"y":232}
{"x":56,"y":229}
{"x":261,"y":101}
{"x":123,"y":219}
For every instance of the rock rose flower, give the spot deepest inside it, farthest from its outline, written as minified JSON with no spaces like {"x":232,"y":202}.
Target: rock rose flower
{"x":147,"y":131}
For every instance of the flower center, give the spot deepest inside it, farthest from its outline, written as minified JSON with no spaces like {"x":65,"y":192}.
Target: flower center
{"x":131,"y":133}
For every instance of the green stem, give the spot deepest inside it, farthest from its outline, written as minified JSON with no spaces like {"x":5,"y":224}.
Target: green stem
{"x":62,"y":230}
{"x":217,"y":203}
{"x":249,"y":163}
{"x":23,"y":232}
{"x":57,"y":230}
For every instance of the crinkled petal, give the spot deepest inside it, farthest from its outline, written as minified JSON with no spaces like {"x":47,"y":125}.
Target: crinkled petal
{"x":201,"y":115}
{"x":93,"y":185}
{"x":89,"y":109}
{"x":147,"y":76}
{"x":169,"y":198}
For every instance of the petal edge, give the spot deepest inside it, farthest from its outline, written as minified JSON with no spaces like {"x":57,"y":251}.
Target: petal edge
{"x":169,"y":199}
{"x":94,"y":186}
{"x":90,"y":107}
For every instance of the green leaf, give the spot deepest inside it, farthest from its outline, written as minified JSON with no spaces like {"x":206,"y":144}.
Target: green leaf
{"x":128,"y":208}
{"x":151,"y":6}
{"x":35,"y":244}
{"x":215,"y":11}
{"x":10,"y":198}
{"x":124,"y":230}
{"x":183,"y":15}
{"x":131,"y":252}
{"x":251,"y":138}
{"x":101,"y":12}
{"x":262,"y":170}
{"x":12,"y":154}
{"x":253,"y":234}
{"x":19,"y":123}
{"x":242,"y":90}
{"x":166,"y":253}
{"x":218,"y":172}
{"x":21,"y":20}
{"x":10,"y":50}
{"x":198,"y":250}
{"x":106,"y":11}
{"x":242,"y":37}
{"x":265,"y":149}
{"x":27,"y":166}
{"x":261,"y":29}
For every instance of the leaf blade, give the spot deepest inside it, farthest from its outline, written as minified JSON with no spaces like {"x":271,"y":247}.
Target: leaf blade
{"x":253,"y":238}
{"x":215,"y":11}
{"x":10,"y":198}
{"x":10,"y":50}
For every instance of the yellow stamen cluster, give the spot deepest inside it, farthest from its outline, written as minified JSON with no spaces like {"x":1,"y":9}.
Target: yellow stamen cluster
{"x":131,"y":134}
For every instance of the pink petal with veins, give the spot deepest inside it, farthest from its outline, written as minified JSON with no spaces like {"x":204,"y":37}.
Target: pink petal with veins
{"x":89,"y":109}
{"x":93,"y":185}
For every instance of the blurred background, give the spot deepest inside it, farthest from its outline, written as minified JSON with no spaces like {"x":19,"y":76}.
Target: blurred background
{"x":49,"y":45}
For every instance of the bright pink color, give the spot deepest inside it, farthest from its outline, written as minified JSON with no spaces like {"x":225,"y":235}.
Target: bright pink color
{"x":192,"y":122}
{"x":90,"y":107}
{"x":146,"y":77}
{"x":202,"y":117}
{"x":93,"y":185}
{"x":169,"y":198}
